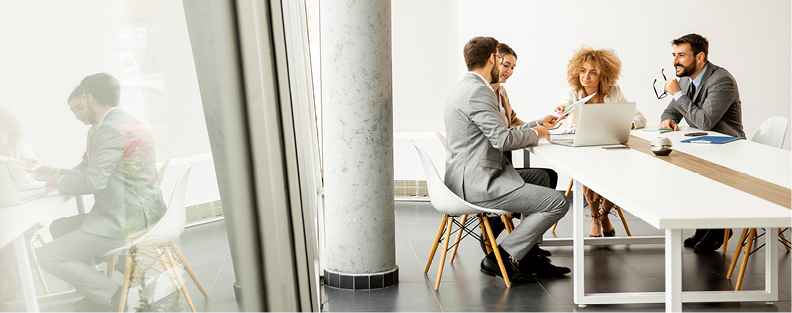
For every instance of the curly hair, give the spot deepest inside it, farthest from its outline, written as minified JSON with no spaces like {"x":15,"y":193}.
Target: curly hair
{"x":605,"y":61}
{"x":10,"y":124}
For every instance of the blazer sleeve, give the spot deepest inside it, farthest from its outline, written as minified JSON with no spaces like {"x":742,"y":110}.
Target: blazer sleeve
{"x":720,"y":91}
{"x":484,"y":113}
{"x":106,"y":151}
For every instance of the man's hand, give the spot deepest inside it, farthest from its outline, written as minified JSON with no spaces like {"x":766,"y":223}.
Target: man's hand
{"x":550,"y":121}
{"x":672,"y":86}
{"x":52,"y":182}
{"x":45,"y":172}
{"x":542,"y":132}
{"x":668,"y":124}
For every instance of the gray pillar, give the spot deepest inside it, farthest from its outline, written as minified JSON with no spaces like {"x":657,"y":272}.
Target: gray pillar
{"x":357,"y":102}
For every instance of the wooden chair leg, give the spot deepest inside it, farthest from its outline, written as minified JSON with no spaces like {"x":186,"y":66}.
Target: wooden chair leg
{"x":505,"y":221}
{"x":781,"y":234}
{"x":566,"y":194}
{"x":484,"y":233}
{"x":36,"y":264}
{"x":41,"y":239}
{"x":624,"y":221}
{"x":125,"y":284}
{"x":726,"y":239}
{"x":436,"y":241}
{"x":445,"y":250}
{"x":189,"y":269}
{"x":510,"y":224}
{"x":111,"y":264}
{"x":179,"y":278}
{"x":737,"y":253}
{"x":497,"y":253}
{"x":166,"y":267}
{"x":458,"y":237}
{"x":746,"y":255}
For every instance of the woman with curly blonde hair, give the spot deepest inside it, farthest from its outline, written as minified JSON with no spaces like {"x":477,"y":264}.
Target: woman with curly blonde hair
{"x":11,"y":145}
{"x":596,"y":71}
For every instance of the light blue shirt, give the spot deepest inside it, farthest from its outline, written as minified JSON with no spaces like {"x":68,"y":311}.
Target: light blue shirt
{"x":696,"y":82}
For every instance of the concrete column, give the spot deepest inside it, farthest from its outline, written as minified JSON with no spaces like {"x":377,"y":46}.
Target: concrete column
{"x":357,"y":101}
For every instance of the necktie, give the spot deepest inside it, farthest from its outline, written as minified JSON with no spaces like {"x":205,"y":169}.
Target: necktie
{"x":691,"y":90}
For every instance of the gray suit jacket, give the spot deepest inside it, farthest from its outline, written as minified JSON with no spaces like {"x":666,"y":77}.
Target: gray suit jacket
{"x":477,"y":134}
{"x":714,"y":106}
{"x":121,"y":174}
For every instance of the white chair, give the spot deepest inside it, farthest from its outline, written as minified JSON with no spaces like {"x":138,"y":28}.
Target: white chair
{"x":452,"y":206}
{"x":772,"y":133}
{"x":160,"y":238}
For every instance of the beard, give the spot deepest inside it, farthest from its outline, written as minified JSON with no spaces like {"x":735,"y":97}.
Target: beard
{"x":91,"y":115}
{"x":686,"y":70}
{"x":495,"y":74}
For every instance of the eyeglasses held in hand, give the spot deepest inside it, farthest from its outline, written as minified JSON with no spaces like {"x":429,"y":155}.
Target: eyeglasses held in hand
{"x":654,"y":84}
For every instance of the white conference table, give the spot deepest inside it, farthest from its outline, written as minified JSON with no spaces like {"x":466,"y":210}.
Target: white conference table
{"x":671,"y":198}
{"x":14,"y":221}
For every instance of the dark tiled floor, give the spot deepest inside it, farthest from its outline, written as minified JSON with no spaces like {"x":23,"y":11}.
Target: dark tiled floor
{"x":612,"y":268}
{"x":206,"y":248}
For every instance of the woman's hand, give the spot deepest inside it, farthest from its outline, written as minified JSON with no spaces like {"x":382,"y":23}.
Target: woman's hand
{"x":560,"y":108}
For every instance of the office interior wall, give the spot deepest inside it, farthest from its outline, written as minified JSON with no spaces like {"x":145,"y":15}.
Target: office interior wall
{"x":750,"y":39}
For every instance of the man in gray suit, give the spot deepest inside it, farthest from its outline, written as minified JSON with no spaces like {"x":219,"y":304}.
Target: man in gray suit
{"x":121,"y":174}
{"x":706,"y":96}
{"x":477,"y":170}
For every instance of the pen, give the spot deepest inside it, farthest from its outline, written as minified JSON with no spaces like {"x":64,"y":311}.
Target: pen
{"x":701,"y":141}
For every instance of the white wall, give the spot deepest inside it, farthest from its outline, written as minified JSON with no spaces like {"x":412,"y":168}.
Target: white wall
{"x":750,"y":39}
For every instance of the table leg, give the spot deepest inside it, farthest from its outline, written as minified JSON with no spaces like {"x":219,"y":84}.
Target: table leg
{"x":80,"y":205}
{"x":25,"y":274}
{"x":578,"y":232}
{"x":771,"y":262}
{"x":673,"y":270}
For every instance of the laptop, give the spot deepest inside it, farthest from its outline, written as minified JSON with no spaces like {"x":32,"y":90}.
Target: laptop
{"x":12,"y":194}
{"x":601,"y":124}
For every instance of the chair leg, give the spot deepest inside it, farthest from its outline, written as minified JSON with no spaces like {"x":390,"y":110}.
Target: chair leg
{"x":506,"y":223}
{"x":111,"y":264}
{"x":445,"y":250}
{"x":38,"y":268}
{"x":510,"y":224}
{"x":566,"y":194}
{"x":436,"y":241}
{"x":189,"y":269}
{"x":166,"y":267}
{"x":624,"y":221}
{"x":497,"y":253}
{"x":726,"y":239}
{"x":484,"y":234}
{"x":781,"y":234}
{"x":125,"y":284}
{"x":179,"y":278}
{"x":737,"y":252}
{"x":41,"y":239}
{"x":746,"y":255}
{"x":459,"y":236}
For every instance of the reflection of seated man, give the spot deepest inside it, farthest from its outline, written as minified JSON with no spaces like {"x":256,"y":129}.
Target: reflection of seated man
{"x":11,"y":146}
{"x":121,"y":173}
{"x":81,"y":114}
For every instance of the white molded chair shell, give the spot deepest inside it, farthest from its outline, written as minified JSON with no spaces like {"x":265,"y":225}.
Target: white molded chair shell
{"x":171,"y":225}
{"x":442,"y":198}
{"x":771,"y":132}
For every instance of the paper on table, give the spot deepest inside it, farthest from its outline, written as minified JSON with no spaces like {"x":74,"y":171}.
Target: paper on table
{"x":19,"y":163}
{"x":657,"y":130}
{"x":573,"y":106}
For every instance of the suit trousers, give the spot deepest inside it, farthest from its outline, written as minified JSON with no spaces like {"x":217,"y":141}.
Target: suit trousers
{"x":539,"y":205}
{"x":69,"y":255}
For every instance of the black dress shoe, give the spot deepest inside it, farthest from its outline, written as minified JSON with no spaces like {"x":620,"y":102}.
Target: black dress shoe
{"x":541,"y":267}
{"x":536,"y":250}
{"x":711,"y":241}
{"x":497,"y":227}
{"x":489,"y":266}
{"x":693,"y":240}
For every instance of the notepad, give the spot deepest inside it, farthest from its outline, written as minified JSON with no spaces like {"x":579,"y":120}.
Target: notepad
{"x":712,"y":139}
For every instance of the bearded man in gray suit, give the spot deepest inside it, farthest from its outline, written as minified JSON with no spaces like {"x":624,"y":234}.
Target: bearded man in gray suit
{"x":477,"y":170}
{"x":121,"y":174}
{"x":706,"y":96}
